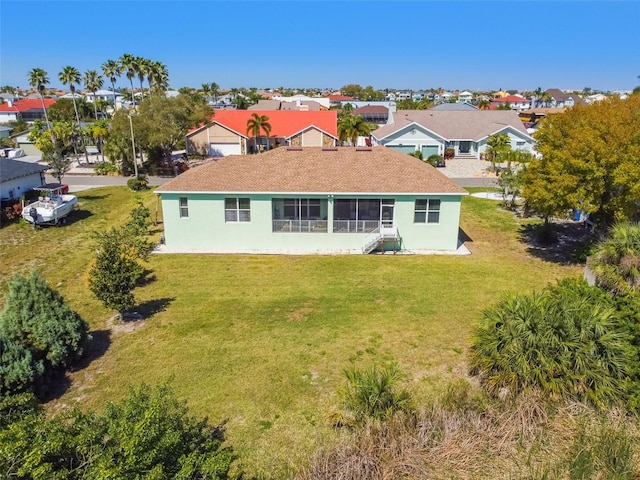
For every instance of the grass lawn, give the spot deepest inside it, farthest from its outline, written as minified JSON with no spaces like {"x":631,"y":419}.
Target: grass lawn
{"x":260,"y":341}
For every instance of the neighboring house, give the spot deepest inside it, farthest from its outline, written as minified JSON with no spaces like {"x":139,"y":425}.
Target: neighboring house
{"x":302,"y":105}
{"x":105,"y":95}
{"x":17,"y":177}
{"x":28,"y":109}
{"x":5,"y":132}
{"x":403,"y":95}
{"x":325,"y":103}
{"x":596,"y":97}
{"x":516,"y":102}
{"x":337,"y":99}
{"x":418,"y":96}
{"x":22,"y":141}
{"x":446,"y":96}
{"x":377,"y":114}
{"x":457,"y":106}
{"x":388,"y":104}
{"x":433,"y":131}
{"x":312,"y":200}
{"x":559,"y":99}
{"x":226,"y":134}
{"x":465,"y":97}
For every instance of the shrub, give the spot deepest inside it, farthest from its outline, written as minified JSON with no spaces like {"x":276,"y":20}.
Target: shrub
{"x":373,"y":393}
{"x":107,"y":168}
{"x":449,"y":153}
{"x":565,"y":341}
{"x":436,"y":160}
{"x":139,"y":183}
{"x":40,"y":334}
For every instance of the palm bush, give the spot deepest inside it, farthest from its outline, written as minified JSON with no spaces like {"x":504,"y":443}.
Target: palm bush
{"x":373,"y":393}
{"x":616,"y":263}
{"x":561,"y":341}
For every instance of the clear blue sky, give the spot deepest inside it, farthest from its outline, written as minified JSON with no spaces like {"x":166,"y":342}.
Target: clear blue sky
{"x":473,"y":45}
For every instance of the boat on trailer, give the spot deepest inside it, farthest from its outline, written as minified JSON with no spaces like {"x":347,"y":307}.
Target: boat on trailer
{"x":52,"y":206}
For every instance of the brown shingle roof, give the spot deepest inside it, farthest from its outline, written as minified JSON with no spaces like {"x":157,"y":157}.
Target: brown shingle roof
{"x":316,"y":170}
{"x":455,"y":125}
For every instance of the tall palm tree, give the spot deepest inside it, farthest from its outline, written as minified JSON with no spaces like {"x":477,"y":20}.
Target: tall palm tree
{"x":143,"y":66}
{"x":215,"y":91}
{"x":483,"y":104}
{"x":71,"y":76}
{"x":158,"y":76}
{"x":93,"y":81}
{"x":39,"y":80}
{"x":256,"y":124}
{"x":206,"y":91}
{"x":129,"y":67}
{"x":111,"y":69}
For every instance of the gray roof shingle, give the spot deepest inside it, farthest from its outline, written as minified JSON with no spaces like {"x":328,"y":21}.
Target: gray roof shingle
{"x":11,"y":169}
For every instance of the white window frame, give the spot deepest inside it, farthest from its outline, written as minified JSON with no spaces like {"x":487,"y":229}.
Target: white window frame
{"x":237,"y":213}
{"x":431,"y":211}
{"x":183,"y":203}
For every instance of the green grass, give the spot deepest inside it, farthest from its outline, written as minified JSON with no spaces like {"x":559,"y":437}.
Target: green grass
{"x":261,"y":341}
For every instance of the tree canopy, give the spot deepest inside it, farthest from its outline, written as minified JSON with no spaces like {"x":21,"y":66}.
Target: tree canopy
{"x":589,"y":162}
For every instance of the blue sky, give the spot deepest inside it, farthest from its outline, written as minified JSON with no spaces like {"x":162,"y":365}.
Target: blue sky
{"x":473,"y":45}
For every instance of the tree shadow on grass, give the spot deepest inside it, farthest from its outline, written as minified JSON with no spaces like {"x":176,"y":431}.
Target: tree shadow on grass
{"x":60,"y":381}
{"x":569,"y":243}
{"x":92,"y":197}
{"x":146,"y":278}
{"x":151,"y":307}
{"x":78,"y":215}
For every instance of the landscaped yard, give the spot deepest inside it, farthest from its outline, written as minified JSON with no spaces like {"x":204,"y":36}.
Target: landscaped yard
{"x":261,"y":341}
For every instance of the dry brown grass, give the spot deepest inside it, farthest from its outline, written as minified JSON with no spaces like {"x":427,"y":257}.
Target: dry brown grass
{"x":522,"y":440}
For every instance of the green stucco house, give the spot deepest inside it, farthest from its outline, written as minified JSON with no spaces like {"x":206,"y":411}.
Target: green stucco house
{"x":313,"y":200}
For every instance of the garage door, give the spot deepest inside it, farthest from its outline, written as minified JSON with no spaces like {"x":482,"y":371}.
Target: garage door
{"x":428,"y":150}
{"x":404,"y":148}
{"x":224,"y":149}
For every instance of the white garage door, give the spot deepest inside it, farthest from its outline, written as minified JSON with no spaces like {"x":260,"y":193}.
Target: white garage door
{"x":224,"y":149}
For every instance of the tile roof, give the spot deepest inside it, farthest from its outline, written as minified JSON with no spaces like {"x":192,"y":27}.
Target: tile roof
{"x":336,"y":97}
{"x":284,"y":123}
{"x":12,"y":169}
{"x":26,"y":104}
{"x":454,"y":125}
{"x":371,"y":109}
{"x":316,"y":170}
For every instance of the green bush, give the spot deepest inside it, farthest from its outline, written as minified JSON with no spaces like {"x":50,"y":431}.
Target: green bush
{"x":566,"y":341}
{"x":106,"y":168}
{"x":373,"y":393}
{"x":148,"y":435}
{"x":436,"y":160}
{"x":39,"y":334}
{"x":138,"y":183}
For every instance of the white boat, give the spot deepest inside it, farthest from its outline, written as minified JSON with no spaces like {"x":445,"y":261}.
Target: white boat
{"x":50,"y":210}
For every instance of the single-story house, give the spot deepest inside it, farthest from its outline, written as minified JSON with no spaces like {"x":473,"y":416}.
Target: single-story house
{"x":515,"y":102}
{"x":294,"y":200}
{"x":226,"y":133}
{"x":5,"y":132}
{"x":17,"y":177}
{"x":433,"y":131}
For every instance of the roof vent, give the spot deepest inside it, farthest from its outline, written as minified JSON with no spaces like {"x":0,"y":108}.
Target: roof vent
{"x":294,"y":149}
{"x":363,"y":149}
{"x":329,"y":149}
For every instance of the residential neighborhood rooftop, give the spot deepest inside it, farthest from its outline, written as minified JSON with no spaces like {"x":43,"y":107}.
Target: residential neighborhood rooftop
{"x":316,"y":170}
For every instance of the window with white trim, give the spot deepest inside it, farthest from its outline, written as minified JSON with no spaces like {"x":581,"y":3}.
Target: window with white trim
{"x":184,"y":207}
{"x":237,"y":209}
{"x":427,"y":210}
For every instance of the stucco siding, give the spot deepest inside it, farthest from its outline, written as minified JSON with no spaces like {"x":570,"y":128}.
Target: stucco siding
{"x":205,"y":229}
{"x":199,"y":142}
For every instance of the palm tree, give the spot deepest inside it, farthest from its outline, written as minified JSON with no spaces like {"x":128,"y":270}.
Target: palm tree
{"x":39,"y":80}
{"x":71,"y":76}
{"x":483,"y":104}
{"x":256,"y":124}
{"x":158,"y":76}
{"x":351,"y":127}
{"x":616,"y":263}
{"x":99,"y":131}
{"x":215,"y":90}
{"x":127,"y":63}
{"x":93,"y":81}
{"x":206,"y":91}
{"x":143,"y":66}
{"x":111,"y":69}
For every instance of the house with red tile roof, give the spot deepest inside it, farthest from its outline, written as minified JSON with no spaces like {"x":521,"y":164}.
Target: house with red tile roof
{"x":294,"y":200}
{"x":226,"y":133}
{"x":28,"y":109}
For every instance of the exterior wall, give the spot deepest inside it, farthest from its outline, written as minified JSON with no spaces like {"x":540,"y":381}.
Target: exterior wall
{"x":420,"y":138}
{"x":17,"y":187}
{"x":206,"y":231}
{"x":199,"y":142}
{"x":514,"y":137}
{"x":312,"y":137}
{"x":8,"y":117}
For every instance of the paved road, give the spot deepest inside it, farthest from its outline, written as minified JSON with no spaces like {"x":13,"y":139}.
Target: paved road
{"x":78,"y":183}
